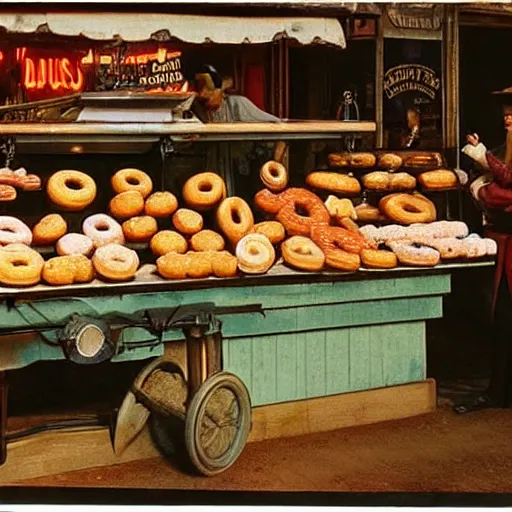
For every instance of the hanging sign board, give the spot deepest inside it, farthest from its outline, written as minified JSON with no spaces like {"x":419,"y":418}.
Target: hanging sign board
{"x":413,"y":21}
{"x":411,"y":78}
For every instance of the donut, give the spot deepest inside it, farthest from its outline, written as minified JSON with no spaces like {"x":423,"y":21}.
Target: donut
{"x":224,"y":264}
{"x":360,"y":160}
{"x":74,"y":244}
{"x":415,"y":255}
{"x":14,"y":231}
{"x":340,"y":246}
{"x":187,"y":221}
{"x":20,"y":265}
{"x":376,"y":258}
{"x":181,"y":266}
{"x":333,"y":182}
{"x":386,"y":181}
{"x":71,"y":190}
{"x":126,"y":204}
{"x":272,"y":229}
{"x":207,"y":240}
{"x":302,"y":253}
{"x":408,"y":208}
{"x":367,"y":213}
{"x":438,"y":180}
{"x":115,"y":262}
{"x":255,"y":254}
{"x":65,"y":270}
{"x":269,"y":202}
{"x":235,"y":218}
{"x":390,"y":161}
{"x":305,"y":201}
{"x":204,"y":191}
{"x":139,"y":229}
{"x":274,"y":176}
{"x":132,"y":179}
{"x":49,"y":229}
{"x":103,"y":230}
{"x":168,"y":241}
{"x":160,"y":204}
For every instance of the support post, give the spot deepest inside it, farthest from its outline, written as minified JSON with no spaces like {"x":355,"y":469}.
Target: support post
{"x":3,"y":417}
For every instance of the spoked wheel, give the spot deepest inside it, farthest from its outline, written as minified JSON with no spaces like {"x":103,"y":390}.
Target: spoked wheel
{"x":218,"y":423}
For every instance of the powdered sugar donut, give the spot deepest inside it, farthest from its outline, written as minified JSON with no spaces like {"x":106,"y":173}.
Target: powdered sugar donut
{"x":14,"y":231}
{"x":416,"y":256}
{"x":103,"y":230}
{"x":491,"y":246}
{"x":74,"y":244}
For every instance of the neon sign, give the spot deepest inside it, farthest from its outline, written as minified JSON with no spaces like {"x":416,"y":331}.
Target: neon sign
{"x":57,"y":74}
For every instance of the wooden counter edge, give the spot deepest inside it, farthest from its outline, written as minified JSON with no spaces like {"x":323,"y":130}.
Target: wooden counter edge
{"x":53,"y":453}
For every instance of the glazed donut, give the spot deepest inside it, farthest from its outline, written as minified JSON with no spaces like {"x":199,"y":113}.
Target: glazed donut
{"x":115,"y":262}
{"x":255,"y":254}
{"x":311,"y":204}
{"x":438,"y":180}
{"x":207,"y":240}
{"x":333,"y":182}
{"x":269,"y":202}
{"x":187,"y":221}
{"x":139,"y":229}
{"x":160,"y":204}
{"x":132,"y":179}
{"x":376,"y":258}
{"x":340,"y":246}
{"x":408,"y":208}
{"x":339,"y":208}
{"x":74,"y":244}
{"x":103,"y":230}
{"x":126,"y":204}
{"x":71,"y":190}
{"x":302,"y":253}
{"x":14,"y":231}
{"x":272,"y":229}
{"x":390,"y":161}
{"x":204,"y":191}
{"x":49,"y":229}
{"x":168,"y":241}
{"x":20,"y":265}
{"x":274,"y":176}
{"x":413,"y":255}
{"x":65,"y":270}
{"x":235,"y":218}
{"x":360,"y":160}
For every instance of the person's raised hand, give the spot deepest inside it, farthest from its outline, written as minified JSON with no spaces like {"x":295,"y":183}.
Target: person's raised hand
{"x":473,"y":139}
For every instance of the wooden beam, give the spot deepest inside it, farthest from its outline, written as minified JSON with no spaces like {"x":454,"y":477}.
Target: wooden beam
{"x":52,"y":453}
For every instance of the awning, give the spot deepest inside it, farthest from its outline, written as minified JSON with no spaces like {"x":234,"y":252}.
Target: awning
{"x":187,"y":28}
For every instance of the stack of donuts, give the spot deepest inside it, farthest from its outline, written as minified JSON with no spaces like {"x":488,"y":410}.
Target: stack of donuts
{"x":212,"y":235}
{"x":388,"y":183}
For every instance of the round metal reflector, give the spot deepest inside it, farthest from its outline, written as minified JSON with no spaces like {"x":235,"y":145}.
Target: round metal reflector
{"x":89,"y":340}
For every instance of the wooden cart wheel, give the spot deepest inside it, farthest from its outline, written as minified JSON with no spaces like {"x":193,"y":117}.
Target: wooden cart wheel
{"x":217,"y":423}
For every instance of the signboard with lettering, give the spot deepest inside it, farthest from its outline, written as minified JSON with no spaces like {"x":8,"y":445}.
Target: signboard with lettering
{"x":412,"y":90}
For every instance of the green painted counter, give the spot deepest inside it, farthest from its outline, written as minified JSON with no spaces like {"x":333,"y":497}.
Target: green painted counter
{"x":315,"y":338}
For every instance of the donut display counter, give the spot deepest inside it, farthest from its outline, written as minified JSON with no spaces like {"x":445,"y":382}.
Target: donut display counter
{"x":301,"y":309}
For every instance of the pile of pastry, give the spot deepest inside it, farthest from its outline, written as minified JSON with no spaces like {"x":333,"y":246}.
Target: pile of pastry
{"x":390,"y":179}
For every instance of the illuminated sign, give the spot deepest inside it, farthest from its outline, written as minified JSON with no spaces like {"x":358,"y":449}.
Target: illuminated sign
{"x":57,"y":73}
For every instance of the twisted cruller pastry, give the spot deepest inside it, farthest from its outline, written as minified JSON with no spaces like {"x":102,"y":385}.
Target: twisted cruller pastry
{"x":340,"y":246}
{"x":302,"y":253}
{"x":65,"y":270}
{"x":274,"y":176}
{"x":255,"y":254}
{"x":20,"y":265}
{"x":235,"y":218}
{"x":272,"y":229}
{"x":286,"y":204}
